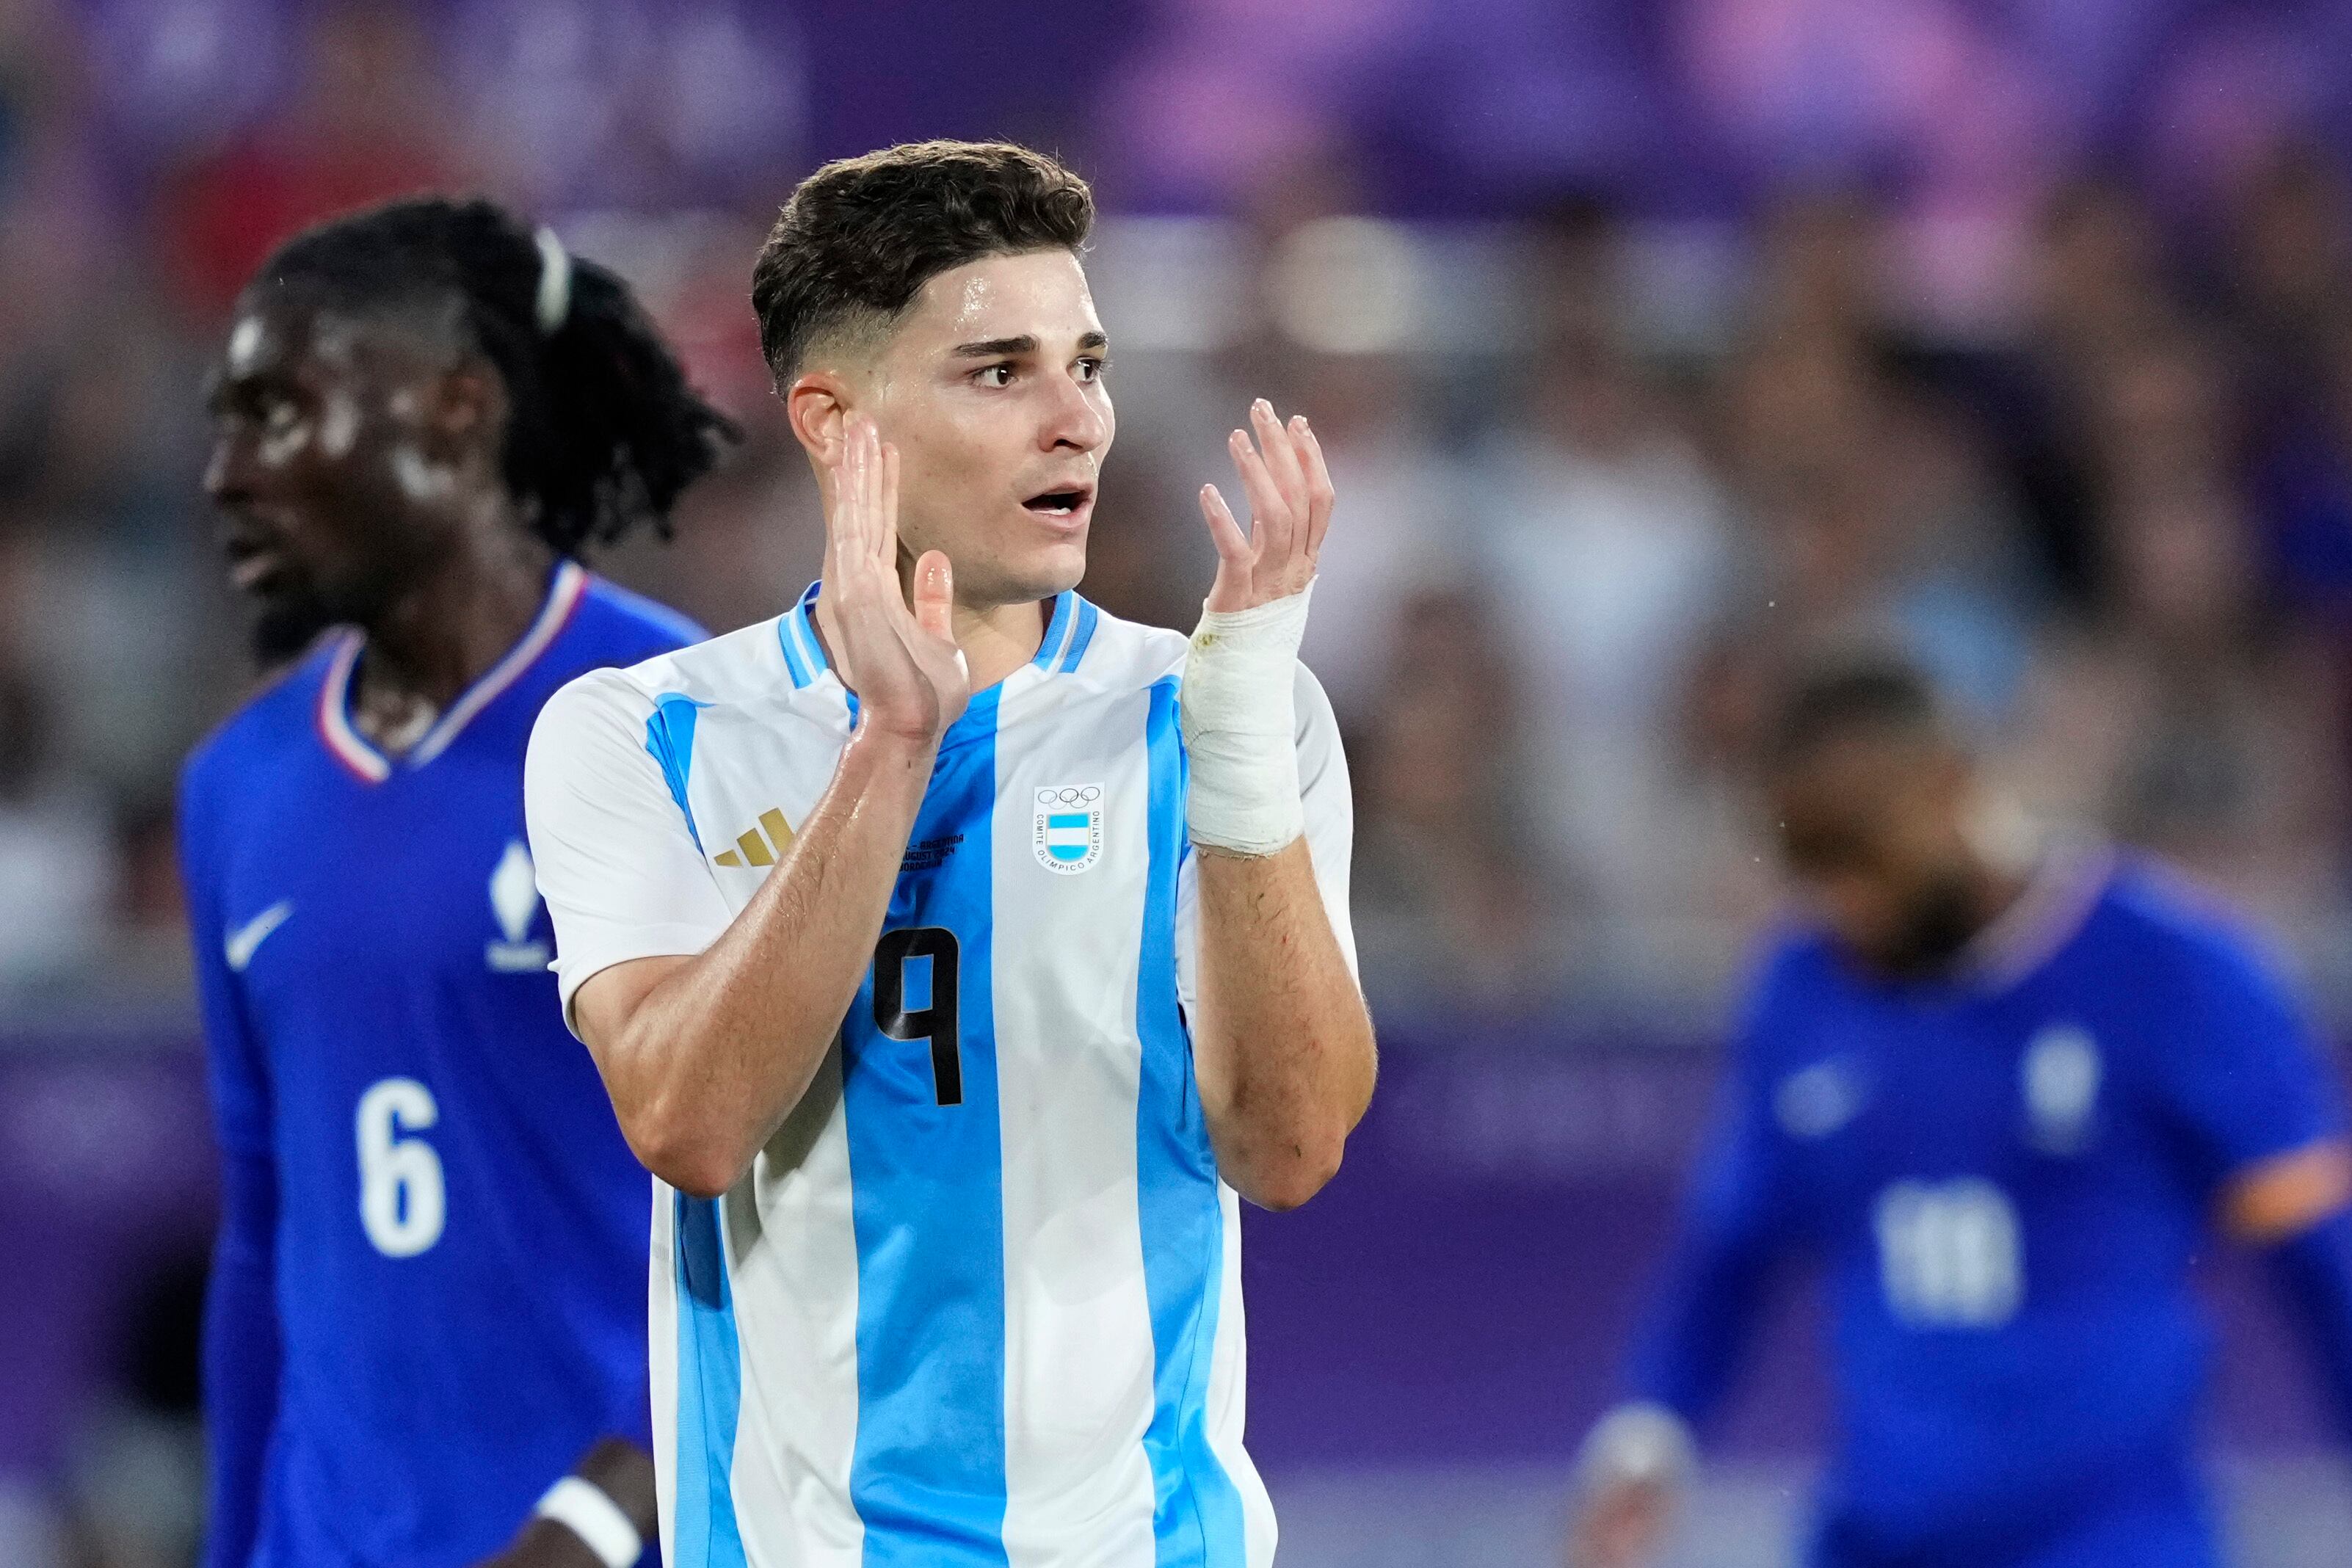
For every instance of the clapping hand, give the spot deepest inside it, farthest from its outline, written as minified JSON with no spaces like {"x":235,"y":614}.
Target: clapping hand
{"x":1290,"y":495}
{"x":900,"y":660}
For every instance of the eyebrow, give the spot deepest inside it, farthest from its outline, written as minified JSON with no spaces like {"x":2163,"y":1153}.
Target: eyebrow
{"x":1026,"y":343}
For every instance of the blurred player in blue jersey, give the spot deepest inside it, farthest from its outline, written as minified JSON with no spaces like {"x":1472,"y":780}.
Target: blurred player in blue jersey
{"x":2001,"y":1095}
{"x":428,"y":1307}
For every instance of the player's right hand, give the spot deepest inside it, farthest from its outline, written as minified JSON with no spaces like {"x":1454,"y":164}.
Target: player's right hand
{"x":1620,"y":1523}
{"x":901,"y":660}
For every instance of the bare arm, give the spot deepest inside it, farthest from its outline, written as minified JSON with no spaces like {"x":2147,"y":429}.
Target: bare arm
{"x":705,"y":1057}
{"x":622,"y":1472}
{"x":1283,"y":1045}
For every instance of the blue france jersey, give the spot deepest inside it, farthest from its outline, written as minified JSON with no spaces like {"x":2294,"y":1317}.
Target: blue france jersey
{"x":462,"y":1232}
{"x":2004,"y":1176}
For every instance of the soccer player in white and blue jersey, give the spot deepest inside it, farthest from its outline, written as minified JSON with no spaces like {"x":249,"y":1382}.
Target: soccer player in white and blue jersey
{"x":2002,"y":1098}
{"x":957,"y":953}
{"x":425,"y":1339}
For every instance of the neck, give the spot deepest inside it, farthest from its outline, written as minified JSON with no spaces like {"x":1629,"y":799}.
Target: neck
{"x":447,"y":628}
{"x":999,"y":639}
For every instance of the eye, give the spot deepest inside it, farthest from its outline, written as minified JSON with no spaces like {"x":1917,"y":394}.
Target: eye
{"x":994,"y":375}
{"x":1092,"y":368}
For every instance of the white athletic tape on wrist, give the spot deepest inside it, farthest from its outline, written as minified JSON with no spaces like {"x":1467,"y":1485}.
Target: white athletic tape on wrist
{"x":1639,"y":1442}
{"x":583,"y":1507}
{"x":1241,"y":725}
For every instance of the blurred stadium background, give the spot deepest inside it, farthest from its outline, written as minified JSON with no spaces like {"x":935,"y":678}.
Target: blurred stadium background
{"x":1651,"y":339}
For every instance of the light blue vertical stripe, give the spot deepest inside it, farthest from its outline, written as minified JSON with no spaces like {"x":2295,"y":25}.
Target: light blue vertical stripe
{"x":670,"y":736}
{"x":1057,"y":631}
{"x":793,"y":664}
{"x":926,"y":1476}
{"x":710,"y":1391}
{"x":805,"y":628}
{"x":1197,"y":1513}
{"x":1084,"y":634}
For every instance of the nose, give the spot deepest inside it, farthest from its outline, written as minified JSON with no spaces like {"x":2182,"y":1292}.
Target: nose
{"x":224,"y":470}
{"x":1078,"y":420}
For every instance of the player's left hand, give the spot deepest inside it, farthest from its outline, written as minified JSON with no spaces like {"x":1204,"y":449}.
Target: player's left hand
{"x":1290,"y":495}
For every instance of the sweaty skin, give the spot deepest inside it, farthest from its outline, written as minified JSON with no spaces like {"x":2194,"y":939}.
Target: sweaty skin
{"x":958,"y":459}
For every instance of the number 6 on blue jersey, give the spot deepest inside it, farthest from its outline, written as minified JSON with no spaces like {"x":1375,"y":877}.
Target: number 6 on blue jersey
{"x":934,"y":948}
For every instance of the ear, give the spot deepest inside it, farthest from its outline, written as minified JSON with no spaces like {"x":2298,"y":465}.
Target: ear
{"x":817,"y":406}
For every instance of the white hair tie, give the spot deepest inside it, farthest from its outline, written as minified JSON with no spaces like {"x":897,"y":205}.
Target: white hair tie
{"x":554,"y":281}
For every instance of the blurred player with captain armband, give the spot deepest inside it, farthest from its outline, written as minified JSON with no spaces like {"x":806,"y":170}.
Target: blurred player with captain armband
{"x":2002,"y":1095}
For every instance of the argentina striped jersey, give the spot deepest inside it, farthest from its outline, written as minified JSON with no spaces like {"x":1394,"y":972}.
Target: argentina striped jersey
{"x":977,"y":1301}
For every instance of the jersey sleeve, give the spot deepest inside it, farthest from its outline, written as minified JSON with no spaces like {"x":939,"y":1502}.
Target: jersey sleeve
{"x":235,"y":1069}
{"x":1330,"y":812}
{"x":611,"y":835}
{"x":2238,"y":1065}
{"x":1736,"y":1227}
{"x":240,"y":1339}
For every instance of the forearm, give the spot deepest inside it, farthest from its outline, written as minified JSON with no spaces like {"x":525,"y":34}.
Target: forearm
{"x":624,"y":1473}
{"x":240,"y":1357}
{"x":715,"y":1055}
{"x":1283,"y":1045}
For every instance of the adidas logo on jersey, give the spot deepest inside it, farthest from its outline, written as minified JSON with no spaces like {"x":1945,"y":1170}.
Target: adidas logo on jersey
{"x":751,"y":849}
{"x":514,"y":901}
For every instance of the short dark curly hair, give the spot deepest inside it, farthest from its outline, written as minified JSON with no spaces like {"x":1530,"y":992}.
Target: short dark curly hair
{"x":860,"y":237}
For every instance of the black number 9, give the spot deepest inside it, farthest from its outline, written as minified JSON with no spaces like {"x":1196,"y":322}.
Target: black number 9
{"x":936,"y":1022}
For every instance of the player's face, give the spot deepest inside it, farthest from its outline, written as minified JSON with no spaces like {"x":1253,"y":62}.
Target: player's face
{"x":992,"y":387}
{"x":1872,"y":831}
{"x":322,"y":466}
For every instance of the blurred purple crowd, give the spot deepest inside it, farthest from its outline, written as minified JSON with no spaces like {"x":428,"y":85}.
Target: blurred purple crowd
{"x":1654,"y":344}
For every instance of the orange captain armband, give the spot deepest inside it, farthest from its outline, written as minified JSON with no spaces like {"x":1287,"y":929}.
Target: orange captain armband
{"x":2278,"y":1198}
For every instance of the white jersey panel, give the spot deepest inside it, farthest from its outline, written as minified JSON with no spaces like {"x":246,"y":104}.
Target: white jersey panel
{"x":1078,"y":1350}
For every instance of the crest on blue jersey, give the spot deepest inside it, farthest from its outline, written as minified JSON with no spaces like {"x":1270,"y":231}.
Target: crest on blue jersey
{"x":2059,"y":1075}
{"x":514,"y":901}
{"x":1067,"y":838}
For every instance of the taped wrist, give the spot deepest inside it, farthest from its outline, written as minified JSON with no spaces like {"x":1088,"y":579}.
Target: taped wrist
{"x":1240,"y":721}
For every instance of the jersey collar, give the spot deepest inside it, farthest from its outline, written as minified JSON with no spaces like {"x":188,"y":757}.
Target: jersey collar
{"x":348,"y":747}
{"x":2057,"y":900}
{"x":1067,"y":632}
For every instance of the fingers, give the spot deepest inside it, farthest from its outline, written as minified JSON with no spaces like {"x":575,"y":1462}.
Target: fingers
{"x":1278,"y":443}
{"x":1270,"y":526}
{"x":935,"y":594}
{"x":1320,"y":495}
{"x":886,"y":504}
{"x":1227,"y":534}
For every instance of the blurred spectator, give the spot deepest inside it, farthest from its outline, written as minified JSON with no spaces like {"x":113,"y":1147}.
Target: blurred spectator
{"x":365,"y":124}
{"x":1605,"y":554}
{"x":2186,"y":716}
{"x":1457,"y":903}
{"x":56,"y":857}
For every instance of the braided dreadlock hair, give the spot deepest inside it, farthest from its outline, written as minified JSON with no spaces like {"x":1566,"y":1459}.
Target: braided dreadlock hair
{"x":604,"y":432}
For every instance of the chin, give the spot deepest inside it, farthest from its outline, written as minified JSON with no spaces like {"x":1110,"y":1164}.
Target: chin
{"x":1049,"y":572}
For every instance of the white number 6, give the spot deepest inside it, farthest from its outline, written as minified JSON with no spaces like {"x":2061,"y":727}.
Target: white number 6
{"x":402,"y":1200}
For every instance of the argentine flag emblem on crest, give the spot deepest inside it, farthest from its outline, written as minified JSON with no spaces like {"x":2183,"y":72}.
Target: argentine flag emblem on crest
{"x":1068,"y":837}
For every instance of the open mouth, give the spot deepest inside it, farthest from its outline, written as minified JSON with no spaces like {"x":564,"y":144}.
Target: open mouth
{"x":1060,"y":504}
